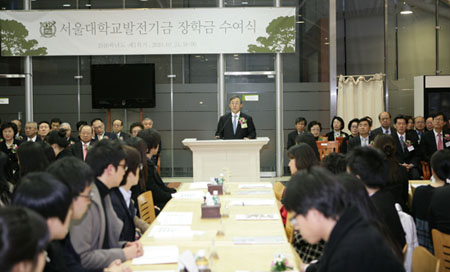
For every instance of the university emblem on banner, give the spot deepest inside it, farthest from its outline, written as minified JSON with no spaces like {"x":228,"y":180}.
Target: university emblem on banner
{"x":48,"y":29}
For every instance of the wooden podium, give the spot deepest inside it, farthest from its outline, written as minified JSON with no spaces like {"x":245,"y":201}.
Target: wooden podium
{"x":239,"y":157}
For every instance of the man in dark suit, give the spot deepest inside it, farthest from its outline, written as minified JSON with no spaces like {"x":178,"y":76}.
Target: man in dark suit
{"x":117,"y":130}
{"x":80,"y":149}
{"x":68,"y":129}
{"x":300,"y":125}
{"x":364,"y":138}
{"x":31,"y":132}
{"x":407,"y":147}
{"x":99,"y":130}
{"x":436,"y":139}
{"x":385,"y":121}
{"x":235,"y":125}
{"x":419,"y":127}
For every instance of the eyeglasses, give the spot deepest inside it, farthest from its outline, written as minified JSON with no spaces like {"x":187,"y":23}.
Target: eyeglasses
{"x":125,"y":167}
{"x":89,"y":196}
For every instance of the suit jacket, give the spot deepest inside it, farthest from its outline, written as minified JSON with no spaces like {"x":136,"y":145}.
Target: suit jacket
{"x":356,"y":141}
{"x":429,"y":146}
{"x":64,"y":153}
{"x":330,"y":135}
{"x":225,"y":127}
{"x":123,"y":212}
{"x":122,"y":136}
{"x":379,"y":130}
{"x":110,"y":135}
{"x":355,"y":245}
{"x":291,"y":138}
{"x":77,"y":149}
{"x":344,"y":146}
{"x":439,"y":212}
{"x":12,"y":165}
{"x":88,"y":233}
{"x":408,"y":156}
{"x":161,"y":193}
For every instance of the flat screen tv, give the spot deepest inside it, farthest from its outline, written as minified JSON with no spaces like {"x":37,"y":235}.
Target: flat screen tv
{"x":123,"y":86}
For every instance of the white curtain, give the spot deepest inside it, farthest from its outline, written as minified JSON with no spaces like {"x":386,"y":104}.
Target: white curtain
{"x":360,"y":97}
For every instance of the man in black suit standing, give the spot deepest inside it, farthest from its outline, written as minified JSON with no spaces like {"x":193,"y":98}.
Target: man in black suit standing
{"x":300,"y":125}
{"x":99,"y":130}
{"x":235,"y":125}
{"x":364,"y":138}
{"x":80,"y":149}
{"x":117,"y":129}
{"x":407,"y":146}
{"x":385,"y":121}
{"x":436,"y":139}
{"x":31,"y":132}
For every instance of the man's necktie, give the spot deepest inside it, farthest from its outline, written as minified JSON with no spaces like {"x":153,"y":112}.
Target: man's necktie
{"x":440,"y":145}
{"x":234,"y":124}
{"x":402,"y":142}
{"x":84,"y":151}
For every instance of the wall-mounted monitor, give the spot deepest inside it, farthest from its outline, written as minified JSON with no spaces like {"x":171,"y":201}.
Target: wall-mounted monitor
{"x":123,"y":86}
{"x":431,"y":95}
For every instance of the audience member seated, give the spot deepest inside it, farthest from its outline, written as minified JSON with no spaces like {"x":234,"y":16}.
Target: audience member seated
{"x":23,"y":238}
{"x":300,"y":127}
{"x":31,"y":132}
{"x":99,"y":130}
{"x":301,"y":157}
{"x":386,"y":126}
{"x":80,"y":149}
{"x":365,"y":138}
{"x":315,"y":128}
{"x":308,"y":139}
{"x":440,"y":169}
{"x":140,"y":188}
{"x":353,"y":128}
{"x":436,"y":139}
{"x":334,"y":162}
{"x":9,"y":146}
{"x":161,"y":193}
{"x":71,"y":140}
{"x":322,"y":211}
{"x":370,"y":166}
{"x":409,"y":123}
{"x":55,"y":123}
{"x":135,"y":128}
{"x":58,"y":141}
{"x":32,"y":158}
{"x":19,"y":135}
{"x":429,"y":123}
{"x":5,"y":185}
{"x":419,"y":124}
{"x":47,"y":196}
{"x":439,"y":212}
{"x":95,"y":237}
{"x":147,"y":123}
{"x":121,"y":197}
{"x":117,"y":130}
{"x":337,"y":125}
{"x":43,"y":129}
{"x":397,"y":182}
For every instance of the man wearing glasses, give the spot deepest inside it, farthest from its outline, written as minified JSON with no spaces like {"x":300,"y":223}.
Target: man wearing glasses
{"x":436,"y":139}
{"x":96,"y":236}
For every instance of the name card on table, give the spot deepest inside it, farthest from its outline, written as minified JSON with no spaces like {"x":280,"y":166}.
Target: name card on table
{"x":256,"y":192}
{"x":189,"y":195}
{"x":158,"y":255}
{"x":171,"y":232}
{"x":255,"y":185}
{"x":262,"y":216}
{"x":252,"y":202}
{"x":199,"y":185}
{"x":258,"y":240}
{"x":175,"y":218}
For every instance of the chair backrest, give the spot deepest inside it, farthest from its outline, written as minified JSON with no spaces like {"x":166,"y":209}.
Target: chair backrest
{"x":278,"y":189}
{"x":146,"y":207}
{"x":425,"y":170}
{"x":424,"y":261}
{"x":441,"y":244}
{"x":289,"y":228}
{"x":340,"y":140}
{"x":326,"y":147}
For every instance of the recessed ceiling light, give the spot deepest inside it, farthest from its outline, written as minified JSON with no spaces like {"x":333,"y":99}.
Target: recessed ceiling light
{"x":66,"y":5}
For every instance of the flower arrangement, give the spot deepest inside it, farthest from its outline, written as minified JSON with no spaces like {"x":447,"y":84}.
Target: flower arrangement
{"x":71,"y":143}
{"x":280,"y":263}
{"x":447,"y":137}
{"x":243,"y":122}
{"x":14,"y":148}
{"x":408,"y":143}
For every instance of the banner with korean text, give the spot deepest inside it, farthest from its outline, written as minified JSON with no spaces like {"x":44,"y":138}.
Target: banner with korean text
{"x":147,"y":31}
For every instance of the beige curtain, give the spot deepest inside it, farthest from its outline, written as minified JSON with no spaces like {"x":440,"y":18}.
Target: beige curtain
{"x":360,"y":97}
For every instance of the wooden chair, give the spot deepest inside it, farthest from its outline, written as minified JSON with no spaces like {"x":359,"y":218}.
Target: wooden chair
{"x":424,"y":261}
{"x":289,"y":228}
{"x":441,"y":244}
{"x":158,"y":165}
{"x":278,"y":189}
{"x":326,"y":147}
{"x":146,"y":207}
{"x":425,"y":170}
{"x":340,"y":140}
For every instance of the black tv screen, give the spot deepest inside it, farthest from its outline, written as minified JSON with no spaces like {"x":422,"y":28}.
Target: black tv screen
{"x":437,"y":100}
{"x":123,"y":86}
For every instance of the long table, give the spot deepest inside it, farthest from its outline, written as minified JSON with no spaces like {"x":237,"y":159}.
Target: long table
{"x":231,"y":256}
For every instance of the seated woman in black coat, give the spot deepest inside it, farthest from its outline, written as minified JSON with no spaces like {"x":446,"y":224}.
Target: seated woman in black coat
{"x":353,"y":128}
{"x":161,"y":193}
{"x":337,"y":125}
{"x":58,"y":141}
{"x":315,"y":128}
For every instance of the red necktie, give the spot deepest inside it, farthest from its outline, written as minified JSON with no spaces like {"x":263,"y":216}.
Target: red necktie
{"x":440,"y":144}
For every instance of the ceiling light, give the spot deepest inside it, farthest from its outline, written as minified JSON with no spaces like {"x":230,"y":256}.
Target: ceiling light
{"x":88,"y":5}
{"x":66,"y":5}
{"x":406,"y":9}
{"x":300,"y":22}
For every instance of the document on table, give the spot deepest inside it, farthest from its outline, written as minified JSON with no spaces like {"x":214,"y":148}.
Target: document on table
{"x":256,"y":192}
{"x":175,"y":218}
{"x":199,"y":185}
{"x":189,"y":195}
{"x":171,"y":232}
{"x":258,"y":240}
{"x":256,"y":216}
{"x":255,"y":185}
{"x":252,"y":202}
{"x":158,"y":255}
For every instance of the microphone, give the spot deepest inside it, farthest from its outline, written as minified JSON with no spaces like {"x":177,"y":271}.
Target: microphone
{"x":222,"y":129}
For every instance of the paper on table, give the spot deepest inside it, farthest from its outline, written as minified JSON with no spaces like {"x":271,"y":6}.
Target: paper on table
{"x":252,"y":202}
{"x":257,"y":240}
{"x":157,"y":255}
{"x":258,"y":192}
{"x":175,"y":218}
{"x":199,"y":185}
{"x":255,"y":185}
{"x":187,"y":259}
{"x":171,"y":232}
{"x":415,"y":185}
{"x":189,"y":195}
{"x":262,"y":216}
